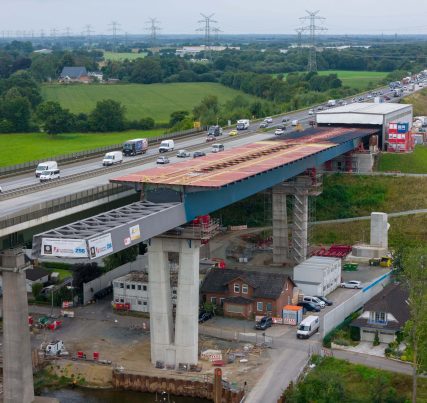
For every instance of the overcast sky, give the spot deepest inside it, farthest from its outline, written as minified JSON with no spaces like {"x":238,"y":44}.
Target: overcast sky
{"x":233,"y":16}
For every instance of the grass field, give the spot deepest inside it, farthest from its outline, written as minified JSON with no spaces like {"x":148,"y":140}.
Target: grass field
{"x":22,"y":147}
{"x":359,"y":384}
{"x":155,"y":100}
{"x":415,"y":162}
{"x":419,"y":102}
{"x":114,"y":56}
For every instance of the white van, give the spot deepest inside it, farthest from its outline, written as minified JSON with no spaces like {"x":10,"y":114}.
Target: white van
{"x":166,"y":145}
{"x":294,"y":122}
{"x":216,"y":148}
{"x":46,"y":176}
{"x":314,"y":300}
{"x":46,"y":166}
{"x":307,"y":327}
{"x":113,"y":157}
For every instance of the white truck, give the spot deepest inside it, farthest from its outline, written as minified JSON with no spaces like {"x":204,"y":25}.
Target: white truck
{"x":112,"y":158}
{"x":331,"y":103}
{"x":46,"y":166}
{"x":308,"y":326}
{"x":242,"y":124}
{"x":166,"y":145}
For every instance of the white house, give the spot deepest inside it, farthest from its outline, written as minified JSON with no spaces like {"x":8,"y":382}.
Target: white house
{"x":133,"y":289}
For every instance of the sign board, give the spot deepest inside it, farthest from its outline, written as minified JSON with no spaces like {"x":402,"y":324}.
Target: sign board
{"x":64,"y":247}
{"x":100,"y":246}
{"x":134,"y":232}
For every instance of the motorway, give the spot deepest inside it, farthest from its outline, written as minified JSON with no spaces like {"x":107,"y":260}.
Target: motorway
{"x":198,"y":142}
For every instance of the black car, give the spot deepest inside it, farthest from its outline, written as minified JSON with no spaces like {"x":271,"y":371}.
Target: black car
{"x":325,"y":300}
{"x":264,"y":323}
{"x":204,"y":316}
{"x":285,"y":120}
{"x":197,"y":154}
{"x":309,"y":306}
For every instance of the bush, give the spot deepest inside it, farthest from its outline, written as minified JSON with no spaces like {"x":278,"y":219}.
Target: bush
{"x":56,"y":265}
{"x":354,"y":333}
{"x":376,"y":341}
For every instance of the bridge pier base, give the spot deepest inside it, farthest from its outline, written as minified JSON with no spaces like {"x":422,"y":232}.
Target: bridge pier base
{"x":17,"y":364}
{"x":169,"y":347}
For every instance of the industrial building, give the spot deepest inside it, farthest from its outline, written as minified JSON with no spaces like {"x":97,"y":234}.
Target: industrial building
{"x":318,"y":275}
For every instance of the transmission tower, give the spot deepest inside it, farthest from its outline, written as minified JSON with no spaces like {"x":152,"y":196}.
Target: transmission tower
{"x":299,"y":39}
{"x":87,"y":33}
{"x":67,"y":34}
{"x":153,"y":28}
{"x":207,"y":29}
{"x":312,"y":28}
{"x":115,"y":27}
{"x":216,"y":31}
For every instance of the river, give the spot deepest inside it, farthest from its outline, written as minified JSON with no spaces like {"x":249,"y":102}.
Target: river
{"x":113,"y":396}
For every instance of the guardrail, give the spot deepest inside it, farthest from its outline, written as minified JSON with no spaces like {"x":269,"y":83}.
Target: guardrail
{"x":81,"y":155}
{"x":62,"y":203}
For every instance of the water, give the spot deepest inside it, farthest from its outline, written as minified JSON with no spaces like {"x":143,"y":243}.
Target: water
{"x":112,"y":396}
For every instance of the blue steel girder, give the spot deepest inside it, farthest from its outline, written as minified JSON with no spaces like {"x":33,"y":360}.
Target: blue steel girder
{"x":205,"y":202}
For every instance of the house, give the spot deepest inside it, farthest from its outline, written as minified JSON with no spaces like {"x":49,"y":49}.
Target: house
{"x":133,"y":289}
{"x":386,"y":313}
{"x":245,"y":294}
{"x":36,"y":275}
{"x":74,"y":75}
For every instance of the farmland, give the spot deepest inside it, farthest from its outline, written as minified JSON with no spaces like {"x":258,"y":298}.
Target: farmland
{"x":118,"y":57}
{"x":141,"y":100}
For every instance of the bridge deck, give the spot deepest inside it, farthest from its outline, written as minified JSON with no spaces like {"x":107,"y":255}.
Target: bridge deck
{"x":239,"y":163}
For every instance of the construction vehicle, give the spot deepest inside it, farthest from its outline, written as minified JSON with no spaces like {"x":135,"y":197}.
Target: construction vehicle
{"x":386,"y":261}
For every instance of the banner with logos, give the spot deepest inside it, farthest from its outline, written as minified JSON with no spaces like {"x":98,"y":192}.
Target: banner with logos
{"x":64,"y":247}
{"x":100,"y":246}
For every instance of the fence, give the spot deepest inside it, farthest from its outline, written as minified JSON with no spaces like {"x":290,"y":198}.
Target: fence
{"x":90,"y":288}
{"x":30,"y":165}
{"x":333,"y":318}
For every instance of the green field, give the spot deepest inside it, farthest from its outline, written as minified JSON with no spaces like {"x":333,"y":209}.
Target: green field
{"x":21,"y":147}
{"x":118,"y":57}
{"x":141,"y":100}
{"x":415,"y":162}
{"x":418,"y":101}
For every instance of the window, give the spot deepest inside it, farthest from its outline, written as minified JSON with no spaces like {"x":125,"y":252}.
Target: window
{"x":144,"y":288}
{"x":117,"y":300}
{"x":236,"y":287}
{"x":122,"y":300}
{"x":221,"y":301}
{"x":139,"y":302}
{"x":139,"y":287}
{"x":287,"y":286}
{"x":269,"y":307}
{"x":244,"y":288}
{"x":133,"y":286}
{"x":174,"y":292}
{"x":127,"y":286}
{"x":213,"y":300}
{"x":378,"y":317}
{"x":121,"y":285}
{"x":259,"y":306}
{"x":145,"y":303}
{"x":234,"y":308}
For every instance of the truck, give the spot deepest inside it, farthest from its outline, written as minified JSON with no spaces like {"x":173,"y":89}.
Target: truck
{"x":55,"y":347}
{"x":166,"y":145}
{"x":112,"y":158}
{"x":215,"y":130}
{"x":397,"y":92}
{"x":331,"y":103}
{"x":242,"y":124}
{"x":135,"y":146}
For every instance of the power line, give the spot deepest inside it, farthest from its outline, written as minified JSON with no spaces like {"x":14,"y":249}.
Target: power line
{"x":87,"y":33}
{"x":207,"y":29}
{"x":115,"y":27}
{"x":216,"y":30}
{"x":312,"y":28}
{"x":153,"y":28}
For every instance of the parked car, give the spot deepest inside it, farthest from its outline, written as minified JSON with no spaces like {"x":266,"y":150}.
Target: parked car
{"x":263,"y":125}
{"x":210,"y":138}
{"x":233,"y":133}
{"x":198,"y":154}
{"x":268,"y":120}
{"x":309,"y":306}
{"x":279,"y":132}
{"x":204,"y":316}
{"x":314,"y":300}
{"x":162,"y":160}
{"x":183,"y":154}
{"x":264,"y":323}
{"x":351,"y":284}
{"x":325,"y":300}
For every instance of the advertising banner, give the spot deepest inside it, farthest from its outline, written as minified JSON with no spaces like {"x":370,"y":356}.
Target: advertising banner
{"x":134,"y":232}
{"x":64,"y":247}
{"x":100,"y":246}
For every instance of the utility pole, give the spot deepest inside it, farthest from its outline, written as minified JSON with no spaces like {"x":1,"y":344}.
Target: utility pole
{"x":115,"y":27}
{"x":312,"y":28}
{"x":153,"y":28}
{"x":53,"y":33}
{"x":207,"y":29}
{"x":299,"y":39}
{"x":67,"y":37}
{"x":87,"y":32}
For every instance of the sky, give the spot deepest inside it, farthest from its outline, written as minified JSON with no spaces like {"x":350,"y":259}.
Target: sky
{"x":233,"y":16}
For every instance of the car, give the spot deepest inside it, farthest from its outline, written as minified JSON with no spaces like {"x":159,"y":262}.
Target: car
{"x":314,"y":300}
{"x":309,"y":306}
{"x":285,"y":120}
{"x":198,"y":154}
{"x":264,"y":323}
{"x":311,"y":112}
{"x":232,"y":133}
{"x":320,"y":108}
{"x":162,"y":160}
{"x":351,"y":284}
{"x":183,"y":154}
{"x":268,"y":119}
{"x":279,"y":131}
{"x":263,"y":125}
{"x":204,"y":316}
{"x":210,"y":138}
{"x":386,"y":98}
{"x":325,"y":300}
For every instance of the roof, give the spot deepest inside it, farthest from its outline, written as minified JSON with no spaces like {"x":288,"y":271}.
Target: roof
{"x":239,"y":300}
{"x":142,"y":277}
{"x":369,"y":108}
{"x":36,"y":273}
{"x":392,"y":299}
{"x":268,"y":285}
{"x":73,"y":72}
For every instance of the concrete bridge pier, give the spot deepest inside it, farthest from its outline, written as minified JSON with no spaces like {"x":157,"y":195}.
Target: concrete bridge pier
{"x":17,"y":364}
{"x":169,"y":347}
{"x":280,"y":226}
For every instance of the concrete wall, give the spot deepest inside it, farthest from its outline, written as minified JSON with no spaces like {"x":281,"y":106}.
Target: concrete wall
{"x":333,"y":318}
{"x":90,"y":288}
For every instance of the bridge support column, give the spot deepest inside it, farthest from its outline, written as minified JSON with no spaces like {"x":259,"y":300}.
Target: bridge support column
{"x":280,"y":226}
{"x":161,"y":326}
{"x":300,"y":227}
{"x":187,"y":307}
{"x":17,"y":364}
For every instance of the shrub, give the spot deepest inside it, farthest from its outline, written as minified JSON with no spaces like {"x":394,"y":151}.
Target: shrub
{"x":354,"y":333}
{"x":376,"y":341}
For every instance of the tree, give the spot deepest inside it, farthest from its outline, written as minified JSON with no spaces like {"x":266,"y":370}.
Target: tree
{"x":120,"y":258}
{"x":207,"y":112}
{"x":16,"y":109}
{"x":36,"y":289}
{"x":177,"y":116}
{"x":108,"y":115}
{"x":146,"y":71}
{"x":54,"y":118}
{"x":85,"y":272}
